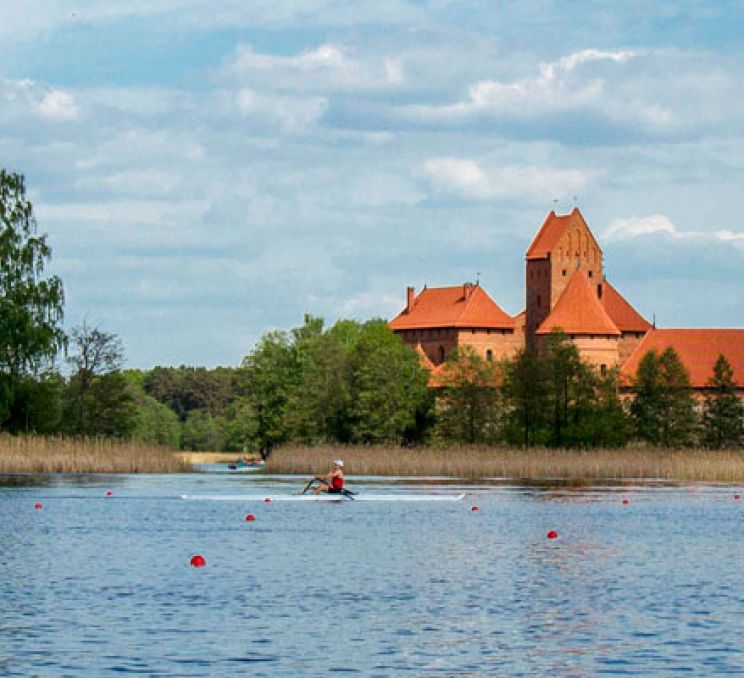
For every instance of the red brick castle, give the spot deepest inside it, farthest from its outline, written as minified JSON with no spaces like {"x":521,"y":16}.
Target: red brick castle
{"x":566,"y":289}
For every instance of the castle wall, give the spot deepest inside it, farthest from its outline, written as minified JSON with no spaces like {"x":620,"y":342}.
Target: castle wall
{"x":501,"y":343}
{"x":628,"y":343}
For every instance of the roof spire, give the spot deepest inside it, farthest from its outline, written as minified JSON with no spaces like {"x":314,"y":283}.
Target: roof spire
{"x":555,"y":204}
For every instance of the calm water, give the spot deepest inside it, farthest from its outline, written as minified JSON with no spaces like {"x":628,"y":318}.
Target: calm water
{"x":91,"y":585}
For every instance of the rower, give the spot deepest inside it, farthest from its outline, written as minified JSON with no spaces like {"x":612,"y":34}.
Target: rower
{"x":332,"y":482}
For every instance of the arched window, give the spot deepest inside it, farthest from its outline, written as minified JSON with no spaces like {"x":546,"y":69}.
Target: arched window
{"x":538,"y":301}
{"x":489,"y":355}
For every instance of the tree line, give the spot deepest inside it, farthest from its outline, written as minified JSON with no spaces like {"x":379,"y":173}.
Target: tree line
{"x":351,"y":383}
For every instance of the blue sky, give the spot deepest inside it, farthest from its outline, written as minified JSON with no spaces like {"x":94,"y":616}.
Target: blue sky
{"x":207,"y":171}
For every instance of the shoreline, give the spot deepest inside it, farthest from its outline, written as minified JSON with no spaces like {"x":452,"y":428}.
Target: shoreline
{"x":478,"y":463}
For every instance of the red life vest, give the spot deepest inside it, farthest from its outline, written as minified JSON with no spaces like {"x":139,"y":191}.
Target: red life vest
{"x":337,"y":483}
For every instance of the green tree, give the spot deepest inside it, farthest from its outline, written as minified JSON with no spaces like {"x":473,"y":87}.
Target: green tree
{"x":387,"y":386}
{"x":268,"y":375}
{"x":37,"y":404}
{"x":31,"y":305}
{"x":318,"y":406}
{"x":240,"y":426}
{"x":468,"y":407}
{"x":201,"y":432}
{"x":525,"y":389}
{"x":723,"y":410}
{"x":94,"y":355}
{"x":663,"y":408}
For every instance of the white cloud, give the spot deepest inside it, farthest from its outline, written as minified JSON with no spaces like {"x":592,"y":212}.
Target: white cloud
{"x":553,"y":90}
{"x":465,"y":178}
{"x":327,"y":67}
{"x":658,"y":224}
{"x":58,"y":105}
{"x":27,"y":97}
{"x":634,"y":227}
{"x":293,"y":114}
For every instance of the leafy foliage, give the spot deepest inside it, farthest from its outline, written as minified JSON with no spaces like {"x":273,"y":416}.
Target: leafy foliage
{"x":31,"y":305}
{"x":723,"y":411}
{"x":469,"y":408}
{"x":663,"y":409}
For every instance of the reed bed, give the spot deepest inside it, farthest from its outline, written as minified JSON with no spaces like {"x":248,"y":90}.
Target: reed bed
{"x":38,"y":454}
{"x":496,"y":462}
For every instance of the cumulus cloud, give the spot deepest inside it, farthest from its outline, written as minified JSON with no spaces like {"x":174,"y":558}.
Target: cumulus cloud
{"x":631,"y":228}
{"x":24,"y":97}
{"x":327,"y":67}
{"x":465,"y":178}
{"x":552,"y":90}
{"x":291,"y":113}
{"x":634,"y":227}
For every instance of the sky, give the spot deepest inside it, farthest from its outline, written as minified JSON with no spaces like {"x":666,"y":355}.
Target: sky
{"x":207,"y":171}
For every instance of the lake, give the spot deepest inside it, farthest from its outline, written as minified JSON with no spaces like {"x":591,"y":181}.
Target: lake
{"x":93,"y":585}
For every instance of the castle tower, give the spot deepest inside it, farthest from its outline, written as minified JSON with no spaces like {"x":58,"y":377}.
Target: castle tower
{"x":563,"y":245}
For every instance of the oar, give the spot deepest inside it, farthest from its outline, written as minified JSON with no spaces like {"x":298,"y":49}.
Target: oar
{"x":309,"y":484}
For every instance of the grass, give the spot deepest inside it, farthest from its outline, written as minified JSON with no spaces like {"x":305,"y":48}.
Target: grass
{"x":496,"y":462}
{"x":38,"y":454}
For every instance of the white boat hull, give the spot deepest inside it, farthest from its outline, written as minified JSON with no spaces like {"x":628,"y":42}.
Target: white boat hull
{"x":323,"y":497}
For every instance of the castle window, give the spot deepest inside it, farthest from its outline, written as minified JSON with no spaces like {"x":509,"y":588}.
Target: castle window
{"x":599,"y":290}
{"x":538,"y":301}
{"x":472,"y":331}
{"x":489,"y":355}
{"x":591,"y":274}
{"x":441,"y":354}
{"x":564,"y":272}
{"x":603,"y":369}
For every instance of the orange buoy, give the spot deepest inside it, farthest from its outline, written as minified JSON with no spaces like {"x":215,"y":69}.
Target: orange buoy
{"x":250,"y":517}
{"x":552,"y":534}
{"x":475,"y":508}
{"x":37,"y":505}
{"x":198,"y":561}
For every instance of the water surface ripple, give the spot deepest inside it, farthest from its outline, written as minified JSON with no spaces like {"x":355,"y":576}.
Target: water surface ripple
{"x":93,"y":586}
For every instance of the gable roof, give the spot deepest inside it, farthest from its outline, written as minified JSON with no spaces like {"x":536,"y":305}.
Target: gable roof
{"x":698,"y":349}
{"x":579,"y":311}
{"x":551,"y":231}
{"x":459,"y":306}
{"x":622,"y":313}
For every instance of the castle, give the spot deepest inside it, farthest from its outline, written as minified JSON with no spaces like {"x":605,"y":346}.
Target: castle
{"x":567,"y":290}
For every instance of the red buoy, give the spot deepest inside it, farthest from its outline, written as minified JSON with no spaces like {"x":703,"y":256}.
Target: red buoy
{"x":109,"y":493}
{"x":737,"y":497}
{"x":552,"y":534}
{"x":198,"y":561}
{"x":626,"y":501}
{"x":267,"y":500}
{"x":37,"y":505}
{"x":475,"y":508}
{"x":250,"y":517}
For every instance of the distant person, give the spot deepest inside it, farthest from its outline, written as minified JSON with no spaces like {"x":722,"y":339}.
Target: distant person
{"x":332,"y":482}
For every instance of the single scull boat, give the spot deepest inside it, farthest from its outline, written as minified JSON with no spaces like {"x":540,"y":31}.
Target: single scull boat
{"x":323,"y":497}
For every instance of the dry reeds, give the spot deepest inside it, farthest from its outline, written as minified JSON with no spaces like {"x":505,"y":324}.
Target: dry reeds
{"x":496,"y":462}
{"x":38,"y":454}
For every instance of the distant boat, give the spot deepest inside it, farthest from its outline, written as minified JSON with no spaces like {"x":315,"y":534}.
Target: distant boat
{"x":246,"y":466}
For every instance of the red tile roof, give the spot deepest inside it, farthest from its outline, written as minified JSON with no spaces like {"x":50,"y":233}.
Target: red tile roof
{"x":622,"y":313}
{"x":697,"y":348}
{"x":460,"y":306}
{"x":552,"y":230}
{"x":579,"y":311}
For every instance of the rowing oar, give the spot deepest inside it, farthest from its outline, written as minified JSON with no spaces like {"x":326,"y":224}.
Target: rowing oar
{"x":307,"y":487}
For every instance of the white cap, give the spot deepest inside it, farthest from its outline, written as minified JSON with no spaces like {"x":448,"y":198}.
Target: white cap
{"x":338,"y":462}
